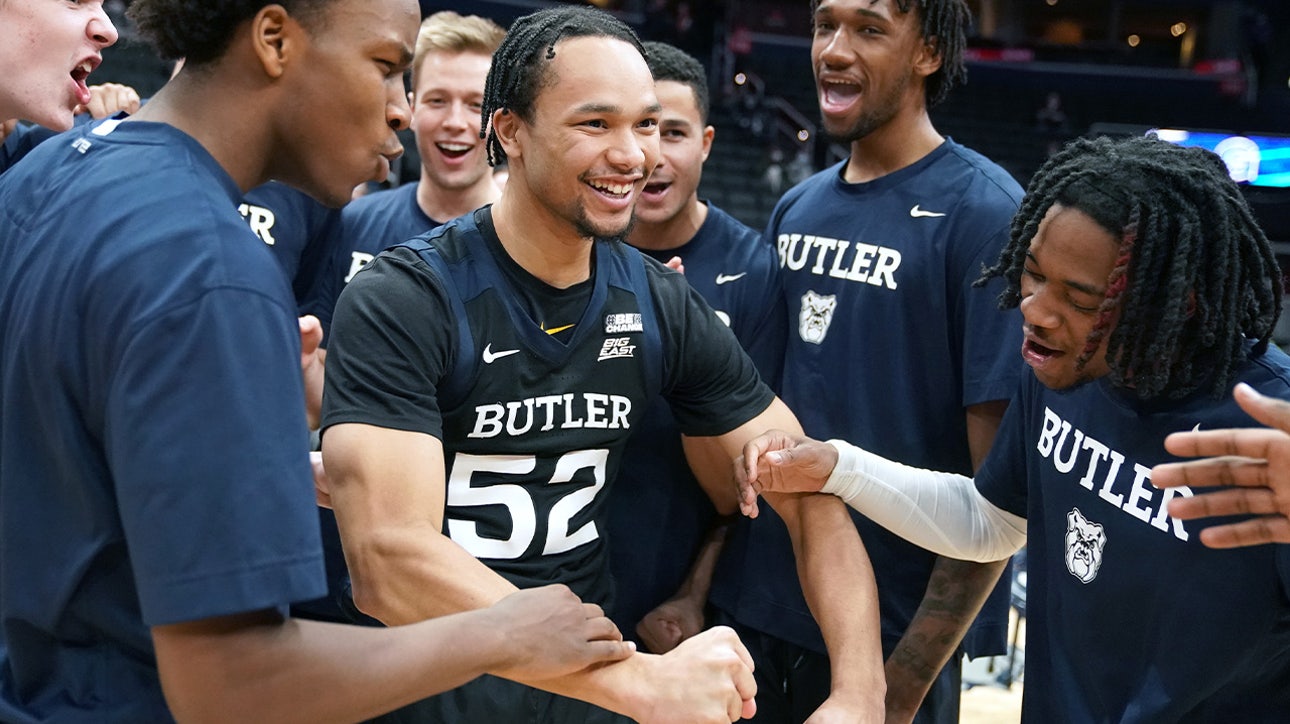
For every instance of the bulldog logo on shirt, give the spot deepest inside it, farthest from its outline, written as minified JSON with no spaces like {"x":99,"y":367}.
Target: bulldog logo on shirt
{"x":816,"y":315}
{"x":1084,"y":543}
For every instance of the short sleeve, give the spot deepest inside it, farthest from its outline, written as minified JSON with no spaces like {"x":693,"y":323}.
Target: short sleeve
{"x":713,"y":386}
{"x":992,"y":363}
{"x":1002,"y":479}
{"x":392,"y":342}
{"x":208,"y":447}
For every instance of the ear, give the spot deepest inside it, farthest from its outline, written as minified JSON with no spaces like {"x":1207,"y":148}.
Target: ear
{"x":928,"y":59}
{"x":275,"y":35}
{"x":508,"y":127}
{"x":708,"y":134}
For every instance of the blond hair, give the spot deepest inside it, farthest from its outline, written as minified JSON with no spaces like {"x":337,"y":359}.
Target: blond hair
{"x":454,"y":33}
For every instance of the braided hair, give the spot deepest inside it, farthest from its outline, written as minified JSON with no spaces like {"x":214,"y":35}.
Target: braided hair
{"x":520,"y":66}
{"x":199,"y":31}
{"x":944,"y":23}
{"x":1194,"y":278}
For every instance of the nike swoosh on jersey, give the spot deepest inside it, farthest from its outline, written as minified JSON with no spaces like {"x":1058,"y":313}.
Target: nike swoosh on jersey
{"x":557,"y":330}
{"x":490,"y":356}
{"x":918,"y":213}
{"x":723,"y":278}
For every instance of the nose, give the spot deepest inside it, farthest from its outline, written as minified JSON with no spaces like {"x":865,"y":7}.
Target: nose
{"x":100,"y":28}
{"x":1037,"y":308}
{"x":397,"y":113}
{"x":835,"y":52}
{"x":459,"y":116}
{"x":630,"y":151}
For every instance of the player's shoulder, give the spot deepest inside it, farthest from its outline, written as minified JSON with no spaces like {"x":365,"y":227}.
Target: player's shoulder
{"x":1269,"y":372}
{"x":981,"y":178}
{"x":728,"y":227}
{"x":378,"y":204}
{"x":739,"y":243}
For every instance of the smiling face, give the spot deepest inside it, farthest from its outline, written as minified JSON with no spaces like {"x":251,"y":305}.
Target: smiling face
{"x":592,"y":140}
{"x":869,"y":61}
{"x":1062,"y":285}
{"x":684,"y":143}
{"x":47,"y":48}
{"x":347,"y":98}
{"x":445,"y":118}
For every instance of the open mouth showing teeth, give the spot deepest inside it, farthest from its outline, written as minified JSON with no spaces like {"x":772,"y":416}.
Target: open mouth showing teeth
{"x":79,"y":74}
{"x":611,"y":189}
{"x":655,"y":189}
{"x":453,"y":150}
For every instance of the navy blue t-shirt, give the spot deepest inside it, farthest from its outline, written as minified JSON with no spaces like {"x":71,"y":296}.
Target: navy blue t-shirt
{"x":297,"y":229}
{"x":368,"y":226}
{"x":153,"y":445}
{"x":658,"y":513}
{"x":20,"y":142}
{"x":1129,"y":617}
{"x":888,"y":342}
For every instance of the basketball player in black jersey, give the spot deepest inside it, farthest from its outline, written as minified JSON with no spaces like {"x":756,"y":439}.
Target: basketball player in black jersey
{"x":482,"y":381}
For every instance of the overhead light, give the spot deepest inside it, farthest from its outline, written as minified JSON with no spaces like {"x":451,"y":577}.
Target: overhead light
{"x":1178,"y":29}
{"x":1133,"y":41}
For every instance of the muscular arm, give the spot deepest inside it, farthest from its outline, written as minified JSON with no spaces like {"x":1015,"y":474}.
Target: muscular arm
{"x":388,"y":489}
{"x":955,"y":593}
{"x":834,"y":569}
{"x":260,"y":666}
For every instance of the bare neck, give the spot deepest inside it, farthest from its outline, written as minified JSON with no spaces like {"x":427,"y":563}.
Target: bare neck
{"x":239,"y":136}
{"x":896,"y":145}
{"x":542,"y":243}
{"x":673,"y":233}
{"x":443,"y":204}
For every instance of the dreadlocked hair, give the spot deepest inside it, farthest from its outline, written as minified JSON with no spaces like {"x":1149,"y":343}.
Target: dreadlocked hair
{"x":520,"y":66}
{"x":199,"y":31}
{"x":944,"y":23}
{"x":1194,"y":277}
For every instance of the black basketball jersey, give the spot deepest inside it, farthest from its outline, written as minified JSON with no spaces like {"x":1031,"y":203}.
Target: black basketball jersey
{"x":533,"y":411}
{"x":533,"y":427}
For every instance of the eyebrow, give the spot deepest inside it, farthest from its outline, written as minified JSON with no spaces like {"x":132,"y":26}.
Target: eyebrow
{"x":608,"y":108}
{"x":861,"y":12}
{"x":1077,"y":286}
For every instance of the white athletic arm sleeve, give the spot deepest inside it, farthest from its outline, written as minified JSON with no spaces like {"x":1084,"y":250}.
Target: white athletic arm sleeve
{"x":942,"y":512}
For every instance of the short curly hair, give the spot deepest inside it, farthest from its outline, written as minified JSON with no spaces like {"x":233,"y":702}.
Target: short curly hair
{"x":199,"y":31}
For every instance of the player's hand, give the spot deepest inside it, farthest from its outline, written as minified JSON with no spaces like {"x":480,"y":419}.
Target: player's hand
{"x":108,"y":99}
{"x":322,"y":484}
{"x":670,"y":623}
{"x":777,"y":462}
{"x":312,"y":367}
{"x":675,"y":265}
{"x":549,"y":632}
{"x":1254,"y":467}
{"x":707,"y":679}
